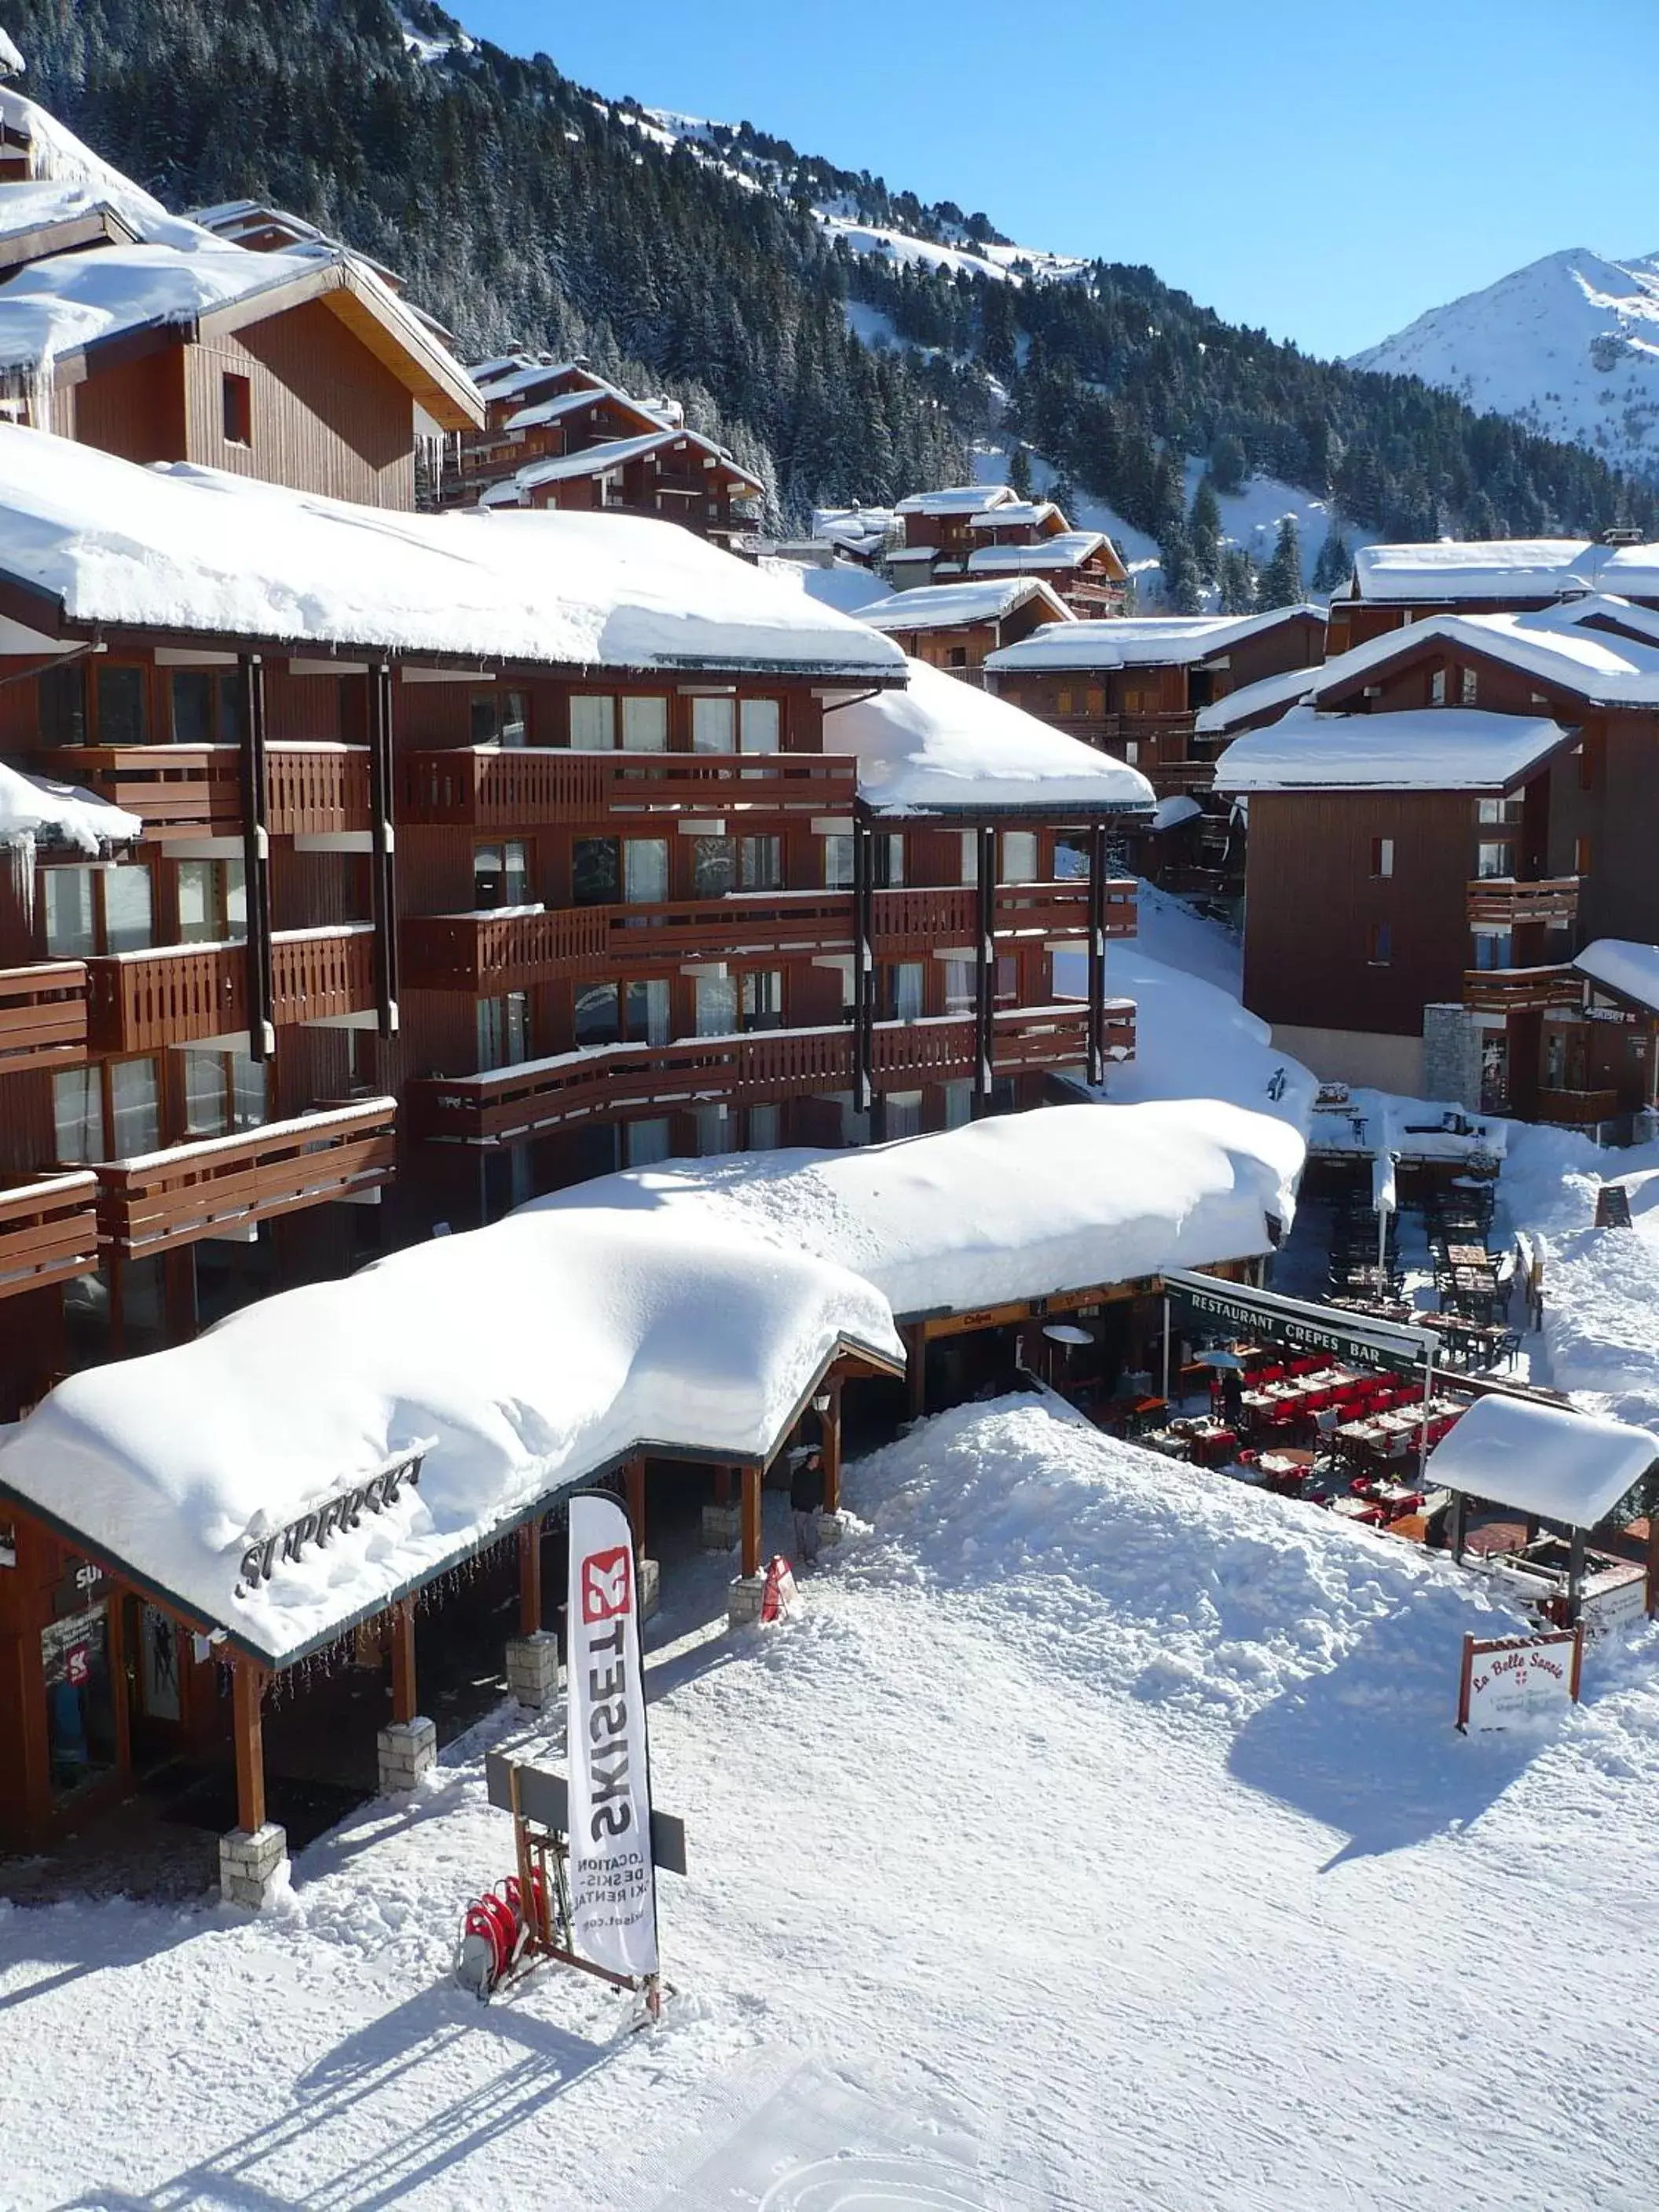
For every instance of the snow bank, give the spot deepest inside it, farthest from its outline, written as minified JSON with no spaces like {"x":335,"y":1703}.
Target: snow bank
{"x":517,"y":1360}
{"x":1061,"y":1198}
{"x":185,"y":548}
{"x":1425,"y":749}
{"x":1142,"y":640}
{"x":1543,"y":1460}
{"x":941,"y":744}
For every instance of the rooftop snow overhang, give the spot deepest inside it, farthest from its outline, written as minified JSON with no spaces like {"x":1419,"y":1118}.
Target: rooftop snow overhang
{"x":68,"y":233}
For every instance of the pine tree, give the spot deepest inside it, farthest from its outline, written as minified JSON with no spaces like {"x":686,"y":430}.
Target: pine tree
{"x":1332,"y":568}
{"x":1204,"y":529}
{"x":1181,"y":594}
{"x":1238,"y":582}
{"x":1280,"y":582}
{"x":1229,"y":462}
{"x":1020,"y":473}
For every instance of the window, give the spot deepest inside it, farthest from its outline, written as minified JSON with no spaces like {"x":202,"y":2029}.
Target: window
{"x":593,"y":723}
{"x":1020,"y":856}
{"x":1468,"y":686}
{"x":648,"y":1011}
{"x":1071,"y":859}
{"x":595,"y":872}
{"x":504,"y":1030}
{"x":760,"y":724}
{"x":1007,"y":986}
{"x":1585,"y":757}
{"x":237,"y":403}
{"x":765,"y":1128}
{"x":904,"y":986}
{"x":514,"y":727}
{"x":713,"y":726}
{"x":1507,"y":810}
{"x":970,"y":857}
{"x":66,"y":900}
{"x":645,"y":1142}
{"x":959,"y":986}
{"x":1493,"y":948}
{"x":1094,"y":700}
{"x":714,"y":866}
{"x":645,"y":871}
{"x":212,"y":902}
{"x":901,"y":1114}
{"x":645,"y":725}
{"x":1381,"y":856}
{"x":1379,"y":944}
{"x":762,"y":864}
{"x":1494,"y":859}
{"x":77,"y":1113}
{"x":1062,"y":703}
{"x":484,"y":718}
{"x":597,"y":1015}
{"x":887,"y":862}
{"x":763,"y":999}
{"x":1580,"y":856}
{"x":135,"y":1108}
{"x":1131,"y":751}
{"x":123,"y":706}
{"x":956,"y":656}
{"x":501,"y":875}
{"x":958,"y":1102}
{"x":207,"y":1112}
{"x":838,"y":862}
{"x":717,"y":1005}
{"x":1438,"y":688}
{"x":61,"y":695}
{"x":207,"y":706}
{"x":717,"y":1132}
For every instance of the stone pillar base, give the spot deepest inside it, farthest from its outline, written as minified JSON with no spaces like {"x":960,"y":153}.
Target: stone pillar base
{"x":533,"y":1668}
{"x":831,"y":1528}
{"x":744,"y":1599}
{"x":405,"y":1750}
{"x":650,"y":1587}
{"x":252,"y":1865}
{"x":721,"y":1525}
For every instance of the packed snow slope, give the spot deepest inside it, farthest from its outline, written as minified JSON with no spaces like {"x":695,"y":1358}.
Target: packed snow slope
{"x":1099,"y":1837}
{"x":1568,"y":345}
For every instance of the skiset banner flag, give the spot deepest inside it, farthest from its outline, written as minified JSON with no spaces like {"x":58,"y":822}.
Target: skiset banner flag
{"x":613,"y":1895}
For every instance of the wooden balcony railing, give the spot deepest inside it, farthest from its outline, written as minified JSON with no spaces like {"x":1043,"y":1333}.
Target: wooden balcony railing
{"x":1577,"y":1109}
{"x":1164,"y":737}
{"x":513,"y":1104}
{"x":177,"y":994}
{"x":48,"y":1233}
{"x":485,"y":954}
{"x":224,"y":1183}
{"x":43,"y":1015}
{"x":195,"y":791}
{"x":1552,"y":900}
{"x":528,"y":788}
{"x":1521,"y":990}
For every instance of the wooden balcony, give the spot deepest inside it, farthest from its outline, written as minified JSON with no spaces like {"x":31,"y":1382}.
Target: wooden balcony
{"x":1509,"y":903}
{"x":530,"y":788}
{"x":514,"y":1104}
{"x":228,"y":1184}
{"x":48,"y":1233}
{"x":181,"y":994}
{"x":487,"y":953}
{"x":1523,"y":990}
{"x":1577,"y":1109}
{"x":43,"y":1016}
{"x":196,"y":791}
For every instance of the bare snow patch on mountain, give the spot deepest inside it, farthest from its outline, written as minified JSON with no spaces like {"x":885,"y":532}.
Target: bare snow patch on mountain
{"x":1568,"y":345}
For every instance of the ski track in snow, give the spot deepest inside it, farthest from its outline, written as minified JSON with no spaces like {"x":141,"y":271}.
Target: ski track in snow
{"x":1098,"y":1838}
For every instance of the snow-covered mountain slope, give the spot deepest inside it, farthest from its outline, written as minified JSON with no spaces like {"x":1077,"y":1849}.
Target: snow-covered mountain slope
{"x":1568,"y":345}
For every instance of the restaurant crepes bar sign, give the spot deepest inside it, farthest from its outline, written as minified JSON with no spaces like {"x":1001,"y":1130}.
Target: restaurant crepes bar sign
{"x":1205,"y":1303}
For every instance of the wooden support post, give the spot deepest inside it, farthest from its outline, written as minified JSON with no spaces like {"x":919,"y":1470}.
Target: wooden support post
{"x":1652,"y":1592}
{"x":916,"y":1369}
{"x":256,"y":863}
{"x":864,"y":970}
{"x":248,"y":1691}
{"x":832,"y":1449}
{"x":1097,"y":954}
{"x":1455,"y":1533}
{"x":635,"y":1474}
{"x":530,"y":1576}
{"x":750,"y":1563}
{"x":383,"y":879}
{"x":404,"y":1691}
{"x":985,"y":971}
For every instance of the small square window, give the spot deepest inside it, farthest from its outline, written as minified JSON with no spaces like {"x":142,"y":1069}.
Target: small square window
{"x":1438,"y":688}
{"x":237,"y":400}
{"x":1468,"y":686}
{"x":1381,"y":856}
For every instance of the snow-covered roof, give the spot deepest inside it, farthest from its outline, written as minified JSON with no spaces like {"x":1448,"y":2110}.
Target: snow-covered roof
{"x":1140,"y":641}
{"x":614,"y":453}
{"x":859,"y":529}
{"x":1171,"y":813}
{"x":37,"y":812}
{"x":1015,"y":514}
{"x":509,"y":380}
{"x":955,"y":499}
{"x":1420,"y":749}
{"x":1067,"y":549}
{"x":1623,"y":966}
{"x":1592,"y":665}
{"x":943,"y":606}
{"x":11,"y":62}
{"x":187,"y":548}
{"x":58,"y":157}
{"x":31,"y":206}
{"x":1235,"y":708}
{"x":943,"y":746}
{"x":543,"y":411}
{"x":1504,"y":568}
{"x":1544,"y":1460}
{"x":1017,"y":1207}
{"x":519,"y":1359}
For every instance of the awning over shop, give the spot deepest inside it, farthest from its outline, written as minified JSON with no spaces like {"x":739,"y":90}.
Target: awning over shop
{"x":1205,"y":1303}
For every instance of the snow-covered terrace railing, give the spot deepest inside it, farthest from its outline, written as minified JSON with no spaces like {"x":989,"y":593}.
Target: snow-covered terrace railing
{"x":88,"y":541}
{"x":170,"y":994}
{"x":48,"y":1233}
{"x":43,"y":1016}
{"x":195,"y":791}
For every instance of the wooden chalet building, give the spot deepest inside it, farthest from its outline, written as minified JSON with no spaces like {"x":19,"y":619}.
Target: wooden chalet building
{"x":982,"y":532}
{"x":1453,"y":810}
{"x":1393,"y":586}
{"x":958,"y":626}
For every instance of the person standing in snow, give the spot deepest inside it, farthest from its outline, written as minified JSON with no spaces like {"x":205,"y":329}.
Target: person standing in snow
{"x":806,"y":1503}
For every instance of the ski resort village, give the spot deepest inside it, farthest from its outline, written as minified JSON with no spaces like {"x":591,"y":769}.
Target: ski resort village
{"x":829,"y":1286}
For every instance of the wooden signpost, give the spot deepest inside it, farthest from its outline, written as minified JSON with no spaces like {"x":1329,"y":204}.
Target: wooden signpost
{"x":1508,"y":1680}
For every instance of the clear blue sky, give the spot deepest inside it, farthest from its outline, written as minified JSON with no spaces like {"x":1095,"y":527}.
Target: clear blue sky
{"x":1327,"y":170}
